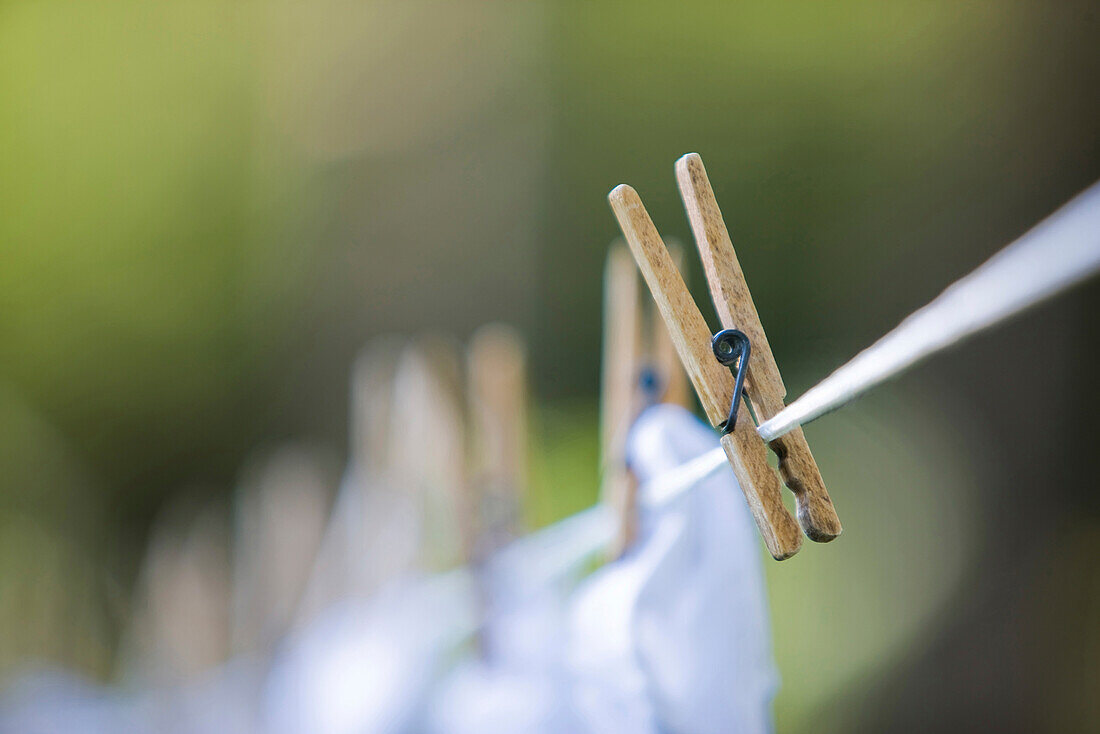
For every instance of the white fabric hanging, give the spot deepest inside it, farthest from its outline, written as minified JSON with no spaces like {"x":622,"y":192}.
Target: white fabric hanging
{"x":51,"y":702}
{"x":674,"y":637}
{"x":482,"y":697}
{"x":517,"y":683}
{"x":221,"y":700}
{"x":366,"y":667}
{"x":671,"y":638}
{"x":372,"y":538}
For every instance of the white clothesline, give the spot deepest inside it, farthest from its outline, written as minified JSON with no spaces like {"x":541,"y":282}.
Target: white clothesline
{"x":1059,"y":252}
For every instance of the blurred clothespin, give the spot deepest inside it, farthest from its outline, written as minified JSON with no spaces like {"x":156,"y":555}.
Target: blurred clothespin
{"x":497,"y":374}
{"x":635,"y":373}
{"x":281,"y":510}
{"x":371,"y":410}
{"x":429,"y":449}
{"x":370,"y":536}
{"x":619,"y":392}
{"x":662,"y":357}
{"x":180,"y":622}
{"x":710,"y":362}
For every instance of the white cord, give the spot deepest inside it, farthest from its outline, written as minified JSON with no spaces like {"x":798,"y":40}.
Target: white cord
{"x":1057,"y":253}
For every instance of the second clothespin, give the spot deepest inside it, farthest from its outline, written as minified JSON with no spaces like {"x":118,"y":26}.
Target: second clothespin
{"x":622,"y":324}
{"x":715,"y":381}
{"x":497,"y":375}
{"x":637,"y":371}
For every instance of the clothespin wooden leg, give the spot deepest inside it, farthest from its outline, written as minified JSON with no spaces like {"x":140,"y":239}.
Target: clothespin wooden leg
{"x":749,"y":459}
{"x":764,"y":386}
{"x":713,"y":382}
{"x":663,"y":354}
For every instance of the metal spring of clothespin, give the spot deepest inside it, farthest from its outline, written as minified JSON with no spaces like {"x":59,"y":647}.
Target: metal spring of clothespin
{"x":732,"y":349}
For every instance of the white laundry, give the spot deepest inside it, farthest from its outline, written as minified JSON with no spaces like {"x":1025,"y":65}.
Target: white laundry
{"x":483,"y":697}
{"x":516,"y":682}
{"x":52,"y":702}
{"x":225,"y":699}
{"x":671,"y":638}
{"x":674,"y":637}
{"x":221,"y":700}
{"x":373,"y":538}
{"x":366,"y":667}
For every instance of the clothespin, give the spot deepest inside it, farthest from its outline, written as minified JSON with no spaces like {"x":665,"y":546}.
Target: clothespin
{"x":715,"y":383}
{"x":282,"y":506}
{"x":663,"y":357}
{"x":371,"y":410}
{"x":497,"y":374}
{"x":428,"y":402}
{"x":369,"y":537}
{"x":635,"y":373}
{"x":618,"y":392}
{"x":179,"y":626}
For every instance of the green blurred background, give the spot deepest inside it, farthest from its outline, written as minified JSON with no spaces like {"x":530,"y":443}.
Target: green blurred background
{"x":207,"y":208}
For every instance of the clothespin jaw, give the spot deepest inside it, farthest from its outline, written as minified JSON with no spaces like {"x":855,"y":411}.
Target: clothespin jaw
{"x":764,"y":386}
{"x":713,"y":381}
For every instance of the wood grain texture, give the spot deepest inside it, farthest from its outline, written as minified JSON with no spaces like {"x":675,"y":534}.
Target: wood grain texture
{"x":764,"y":385}
{"x":663,"y":353}
{"x":713,"y":382}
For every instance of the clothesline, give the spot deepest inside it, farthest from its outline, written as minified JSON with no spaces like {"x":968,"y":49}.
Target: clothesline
{"x":1059,"y":252}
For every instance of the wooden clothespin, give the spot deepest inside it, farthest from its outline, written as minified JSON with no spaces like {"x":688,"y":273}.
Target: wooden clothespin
{"x":497,"y":374}
{"x":763,"y":384}
{"x":714,"y":382}
{"x":635,"y":373}
{"x":663,"y":355}
{"x":371,"y":410}
{"x":366,"y":541}
{"x":281,"y":508}
{"x":180,"y":622}
{"x":428,"y":402}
